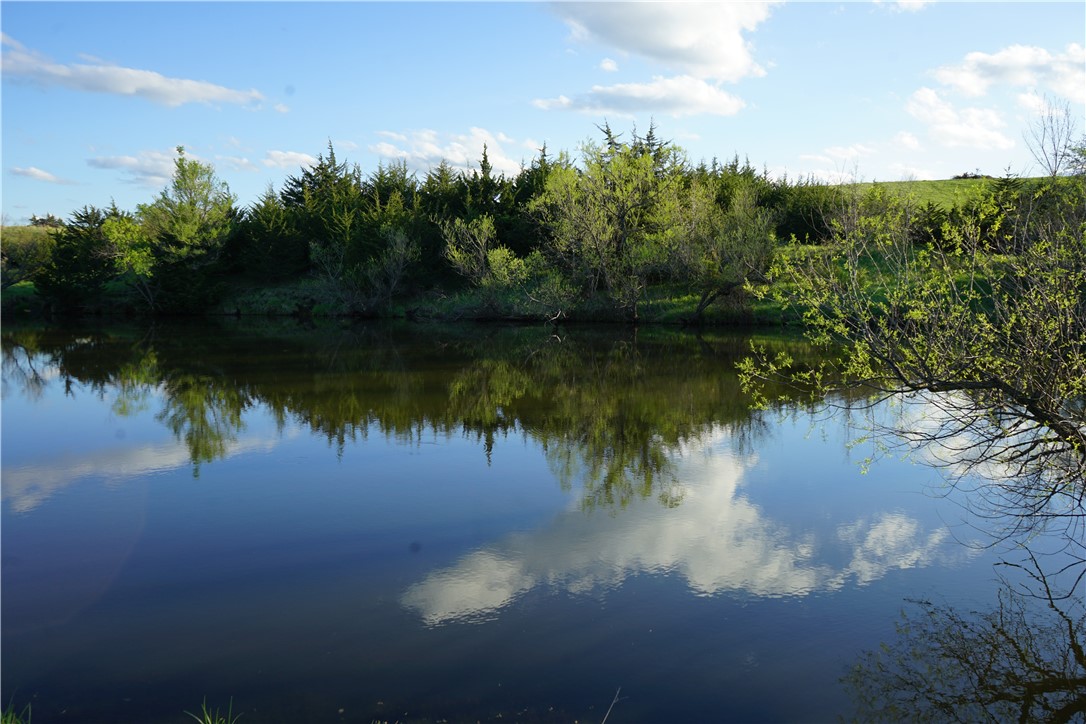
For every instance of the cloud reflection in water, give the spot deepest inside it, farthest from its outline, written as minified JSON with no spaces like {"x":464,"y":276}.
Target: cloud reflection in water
{"x":717,"y":540}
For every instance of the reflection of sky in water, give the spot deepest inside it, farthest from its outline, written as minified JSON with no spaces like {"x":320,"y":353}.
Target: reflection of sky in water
{"x":717,"y":540}
{"x":292,"y":559}
{"x":59,"y":440}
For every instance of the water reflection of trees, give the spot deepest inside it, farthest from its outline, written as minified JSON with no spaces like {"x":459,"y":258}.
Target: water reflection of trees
{"x":1024,"y":660}
{"x":609,"y":409}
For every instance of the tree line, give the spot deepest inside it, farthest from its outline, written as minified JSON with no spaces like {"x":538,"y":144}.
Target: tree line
{"x":602,"y":227}
{"x":621,"y":215}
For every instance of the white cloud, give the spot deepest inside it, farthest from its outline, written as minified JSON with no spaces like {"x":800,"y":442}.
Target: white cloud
{"x":968,"y":127}
{"x":237,"y":163}
{"x":288,"y":159}
{"x":1032,"y":102}
{"x":39,"y":175}
{"x":1022,"y":66}
{"x":678,"y":96}
{"x":717,"y":541}
{"x":424,"y":149}
{"x":700,"y":39}
{"x":849,"y":153}
{"x":28,"y":485}
{"x":608,"y":65}
{"x":907,"y":141}
{"x":906,"y":6}
{"x":281,"y":108}
{"x":100,"y":77}
{"x":149,"y":168}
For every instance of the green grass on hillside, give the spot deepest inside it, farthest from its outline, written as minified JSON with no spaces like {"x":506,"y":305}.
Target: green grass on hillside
{"x":947,"y":193}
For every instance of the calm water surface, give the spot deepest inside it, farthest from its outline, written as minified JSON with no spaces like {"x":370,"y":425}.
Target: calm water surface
{"x":427,"y":523}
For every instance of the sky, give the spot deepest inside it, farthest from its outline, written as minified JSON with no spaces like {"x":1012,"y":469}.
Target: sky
{"x":97,"y":96}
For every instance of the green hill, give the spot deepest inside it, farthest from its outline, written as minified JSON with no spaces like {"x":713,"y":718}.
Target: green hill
{"x":947,"y":193}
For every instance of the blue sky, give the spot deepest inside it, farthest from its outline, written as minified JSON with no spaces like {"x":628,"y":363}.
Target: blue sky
{"x":96,"y":96}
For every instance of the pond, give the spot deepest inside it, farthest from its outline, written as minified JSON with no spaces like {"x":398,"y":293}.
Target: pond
{"x":424,"y":523}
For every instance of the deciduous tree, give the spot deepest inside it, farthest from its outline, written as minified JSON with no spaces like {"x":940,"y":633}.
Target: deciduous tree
{"x":990,"y":348}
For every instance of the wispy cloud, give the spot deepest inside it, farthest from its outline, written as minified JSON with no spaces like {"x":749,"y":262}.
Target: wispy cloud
{"x":20,"y":63}
{"x":1020,"y":66}
{"x":907,"y":141}
{"x":40,"y":175}
{"x":237,"y":163}
{"x":288,"y":159}
{"x":679,"y":96}
{"x":906,"y":6}
{"x":608,"y":65}
{"x":424,"y":149}
{"x":149,"y":168}
{"x":968,"y":127}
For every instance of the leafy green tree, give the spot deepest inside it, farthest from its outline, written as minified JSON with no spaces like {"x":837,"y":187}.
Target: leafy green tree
{"x":133,"y":254}
{"x":467,"y":244}
{"x":610,"y":223}
{"x":990,"y":347}
{"x":25,"y":251}
{"x":191,"y":218}
{"x":722,"y":249}
{"x":168,"y":249}
{"x":473,"y":249}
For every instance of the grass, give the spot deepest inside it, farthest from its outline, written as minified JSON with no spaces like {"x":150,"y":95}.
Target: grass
{"x":946,"y":194}
{"x":10,"y":716}
{"x":23,"y":235}
{"x":207,"y":716}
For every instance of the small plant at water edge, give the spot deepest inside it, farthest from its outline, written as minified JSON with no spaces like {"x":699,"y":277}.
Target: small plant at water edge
{"x":208,"y":716}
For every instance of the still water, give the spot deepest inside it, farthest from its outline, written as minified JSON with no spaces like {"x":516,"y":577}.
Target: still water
{"x":445,"y":523}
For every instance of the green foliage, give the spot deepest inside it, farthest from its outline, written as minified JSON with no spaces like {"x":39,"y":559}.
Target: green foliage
{"x":325,"y":205}
{"x":48,"y":221}
{"x":82,"y":259}
{"x":270,"y":247}
{"x":192,"y":218}
{"x":722,"y":248}
{"x":995,"y":344}
{"x":24,"y":253}
{"x":11,"y":716}
{"x":467,"y":244}
{"x":803,"y":209}
{"x":386,"y":273}
{"x":591,"y":237}
{"x":166,"y":251}
{"x":214,"y":716}
{"x":610,"y":224}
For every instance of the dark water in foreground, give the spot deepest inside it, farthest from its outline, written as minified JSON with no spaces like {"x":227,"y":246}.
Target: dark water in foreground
{"x":426,"y":524}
